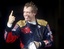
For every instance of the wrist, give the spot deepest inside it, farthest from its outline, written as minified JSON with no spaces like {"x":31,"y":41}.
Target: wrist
{"x":9,"y":25}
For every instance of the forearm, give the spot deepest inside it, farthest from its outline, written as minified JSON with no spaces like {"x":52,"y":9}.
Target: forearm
{"x":8,"y":35}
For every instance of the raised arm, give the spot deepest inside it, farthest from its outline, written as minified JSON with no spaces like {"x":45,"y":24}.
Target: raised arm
{"x":8,"y":35}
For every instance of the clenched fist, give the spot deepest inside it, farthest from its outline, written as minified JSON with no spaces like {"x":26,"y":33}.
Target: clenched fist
{"x":11,"y":18}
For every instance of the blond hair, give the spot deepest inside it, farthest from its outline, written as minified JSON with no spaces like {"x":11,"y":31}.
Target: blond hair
{"x":32,"y":5}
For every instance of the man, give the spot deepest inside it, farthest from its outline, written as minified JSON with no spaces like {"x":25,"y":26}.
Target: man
{"x":33,"y":33}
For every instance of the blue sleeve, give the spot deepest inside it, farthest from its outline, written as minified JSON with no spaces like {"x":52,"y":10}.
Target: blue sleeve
{"x":15,"y":30}
{"x":48,"y":36}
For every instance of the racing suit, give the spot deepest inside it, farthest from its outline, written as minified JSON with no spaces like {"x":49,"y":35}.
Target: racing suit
{"x":28,"y":33}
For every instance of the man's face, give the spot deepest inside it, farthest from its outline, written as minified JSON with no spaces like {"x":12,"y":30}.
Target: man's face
{"x":28,"y":14}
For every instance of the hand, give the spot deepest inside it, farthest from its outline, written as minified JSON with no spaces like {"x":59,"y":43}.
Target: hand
{"x":46,"y":42}
{"x":11,"y":18}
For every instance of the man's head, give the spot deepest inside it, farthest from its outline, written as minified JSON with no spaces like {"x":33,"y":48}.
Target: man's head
{"x":29,"y":11}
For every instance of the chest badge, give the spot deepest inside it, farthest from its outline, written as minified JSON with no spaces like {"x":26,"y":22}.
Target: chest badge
{"x":26,"y":30}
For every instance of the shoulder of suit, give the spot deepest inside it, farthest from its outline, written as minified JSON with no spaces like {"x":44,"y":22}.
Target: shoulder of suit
{"x":42,"y":22}
{"x":21,"y":23}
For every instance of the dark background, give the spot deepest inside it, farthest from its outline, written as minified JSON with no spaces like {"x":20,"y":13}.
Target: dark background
{"x":50,"y":10}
